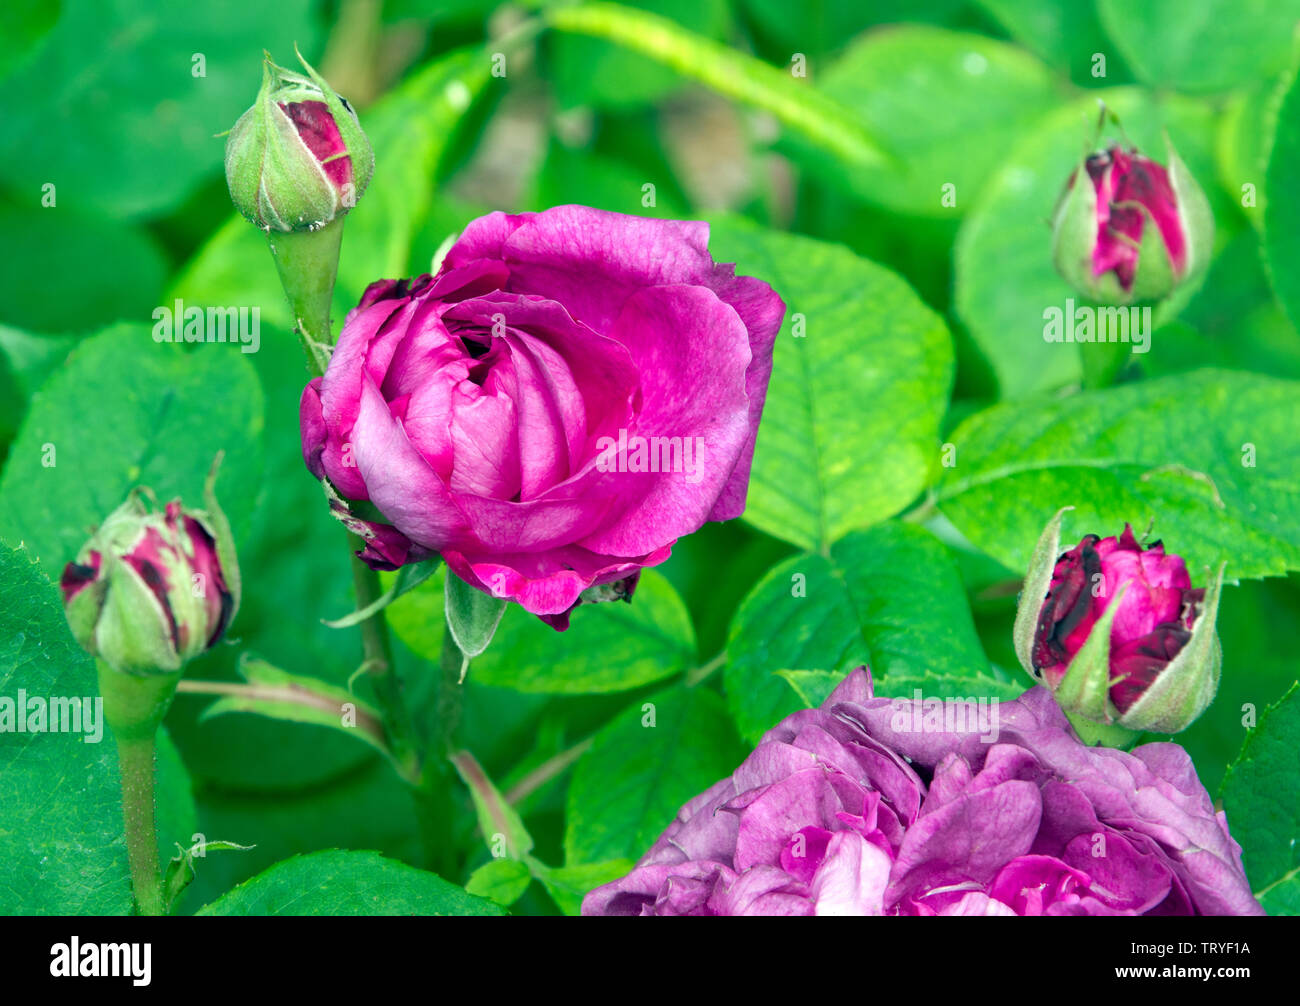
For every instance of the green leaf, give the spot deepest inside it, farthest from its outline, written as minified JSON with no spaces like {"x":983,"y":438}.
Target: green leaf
{"x":126,"y":411}
{"x":297,"y":550}
{"x":589,"y":177}
{"x":588,"y":71}
{"x":501,"y":880}
{"x":297,"y":698}
{"x":813,"y":687}
{"x":410,"y":129}
{"x":817,"y":118}
{"x":1234,"y":321}
{"x":118,"y":112}
{"x":1178,"y":450}
{"x":868,"y":379}
{"x":889,"y":597}
{"x":1004,"y":281}
{"x":472,"y":617}
{"x":234,"y":267}
{"x":1259,"y":798}
{"x":369,"y":807}
{"x":1038,"y":578}
{"x":119,"y":269}
{"x":990,"y":93}
{"x":1065,"y":34}
{"x":1256,"y":671}
{"x":568,"y":885}
{"x":1282,"y":211}
{"x":348,"y":883}
{"x":497,"y":820}
{"x":33,"y":358}
{"x":1209,"y":46}
{"x":62,"y":837}
{"x":181,"y":870}
{"x":609,"y":647}
{"x":825,"y":25}
{"x":644,"y":765}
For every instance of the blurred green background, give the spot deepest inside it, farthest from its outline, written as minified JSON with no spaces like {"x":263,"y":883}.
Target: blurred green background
{"x":844,"y":122}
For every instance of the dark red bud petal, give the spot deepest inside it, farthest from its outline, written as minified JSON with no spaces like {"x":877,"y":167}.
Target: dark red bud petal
{"x":319,"y":131}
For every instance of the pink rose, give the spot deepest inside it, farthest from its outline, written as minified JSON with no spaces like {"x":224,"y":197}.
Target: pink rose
{"x":570,"y":394}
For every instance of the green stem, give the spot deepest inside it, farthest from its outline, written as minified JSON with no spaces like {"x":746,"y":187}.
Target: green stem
{"x":1102,"y":362}
{"x":434,"y":800}
{"x":704,"y":671}
{"x":1110,"y":735}
{"x":377,"y":654}
{"x":308,"y":262}
{"x":134,"y":706}
{"x":451,"y":691}
{"x":137,"y":761}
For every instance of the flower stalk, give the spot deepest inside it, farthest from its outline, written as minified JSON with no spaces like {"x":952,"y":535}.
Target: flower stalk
{"x":308,"y":262}
{"x":134,"y":707}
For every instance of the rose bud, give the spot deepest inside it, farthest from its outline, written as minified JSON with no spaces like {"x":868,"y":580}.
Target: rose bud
{"x":150,"y":591}
{"x":298,"y":158}
{"x":569,"y":395}
{"x":1128,"y":229}
{"x":1118,"y":633}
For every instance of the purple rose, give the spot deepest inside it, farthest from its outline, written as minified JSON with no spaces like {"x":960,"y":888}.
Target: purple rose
{"x":572,"y":392}
{"x":1154,"y":621}
{"x":857,"y":808}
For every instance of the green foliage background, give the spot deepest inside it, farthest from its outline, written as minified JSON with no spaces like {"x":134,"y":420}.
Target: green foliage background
{"x":913,"y":339}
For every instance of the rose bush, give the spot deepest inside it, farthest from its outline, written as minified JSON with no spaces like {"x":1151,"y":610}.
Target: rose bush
{"x":848,"y":809}
{"x":572,"y":392}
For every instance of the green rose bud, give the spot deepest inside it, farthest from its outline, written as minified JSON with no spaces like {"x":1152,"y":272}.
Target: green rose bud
{"x":1129,"y":230}
{"x":151,"y":590}
{"x":298,"y":158}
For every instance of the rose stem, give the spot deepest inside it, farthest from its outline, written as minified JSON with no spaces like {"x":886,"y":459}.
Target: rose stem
{"x":1102,"y":362}
{"x":134,"y":706}
{"x":136,"y":758}
{"x":433,"y":797}
{"x":377,"y":654}
{"x":307,"y":262}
